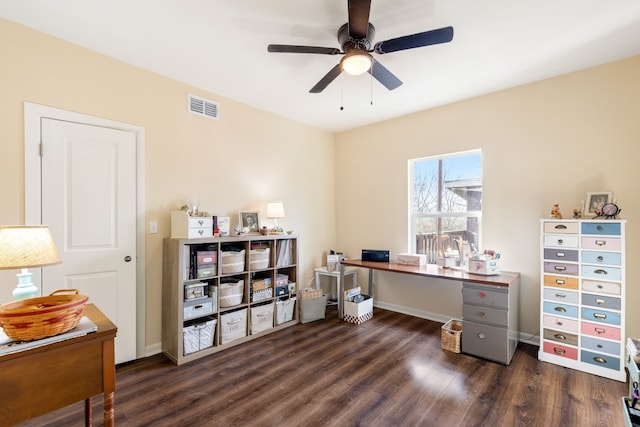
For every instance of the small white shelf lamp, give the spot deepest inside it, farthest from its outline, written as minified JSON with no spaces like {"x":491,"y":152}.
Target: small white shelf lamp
{"x":24,"y":246}
{"x":275,"y":210}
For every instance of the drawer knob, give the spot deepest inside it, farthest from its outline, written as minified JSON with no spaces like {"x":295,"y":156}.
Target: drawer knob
{"x":560,"y":337}
{"x":601,"y":242}
{"x":599,"y":301}
{"x":600,"y":359}
{"x":559,"y":267}
{"x":600,"y":271}
{"x":600,"y":316}
{"x":560,"y":254}
{"x":560,"y":309}
{"x":559,"y":323}
{"x":560,"y":351}
{"x":560,"y":241}
{"x":560,"y":282}
{"x":560,"y":227}
{"x":599,"y":331}
{"x":481,"y":336}
{"x":482,"y":314}
{"x":561,"y":295}
{"x":600,"y":228}
{"x":600,"y":258}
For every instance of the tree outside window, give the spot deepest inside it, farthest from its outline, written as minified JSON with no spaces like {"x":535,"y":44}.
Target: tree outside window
{"x":446,"y":203}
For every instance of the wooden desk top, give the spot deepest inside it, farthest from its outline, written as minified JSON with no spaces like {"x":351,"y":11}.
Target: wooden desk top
{"x":431,"y":270}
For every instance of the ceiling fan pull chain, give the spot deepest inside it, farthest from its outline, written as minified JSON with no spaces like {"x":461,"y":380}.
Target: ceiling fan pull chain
{"x":371,"y":89}
{"x":341,"y":94}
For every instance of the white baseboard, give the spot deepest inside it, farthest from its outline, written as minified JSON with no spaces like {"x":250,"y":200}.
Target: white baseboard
{"x":525,"y":338}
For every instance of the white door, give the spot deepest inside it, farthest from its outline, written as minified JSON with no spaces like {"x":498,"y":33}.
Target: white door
{"x":89,"y":204}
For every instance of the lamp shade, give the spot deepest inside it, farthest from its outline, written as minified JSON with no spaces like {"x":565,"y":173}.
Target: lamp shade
{"x":275,"y":210}
{"x":26,"y":246}
{"x":356,"y":63}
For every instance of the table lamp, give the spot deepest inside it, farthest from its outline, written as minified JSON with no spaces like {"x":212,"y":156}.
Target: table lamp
{"x":24,"y":246}
{"x":275,"y":210}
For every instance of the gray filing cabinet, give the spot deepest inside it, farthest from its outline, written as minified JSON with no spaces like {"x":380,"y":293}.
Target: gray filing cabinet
{"x":490,"y":321}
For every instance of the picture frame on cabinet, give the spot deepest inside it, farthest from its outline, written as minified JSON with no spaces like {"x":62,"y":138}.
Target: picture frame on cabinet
{"x":595,"y":201}
{"x":249,"y":222}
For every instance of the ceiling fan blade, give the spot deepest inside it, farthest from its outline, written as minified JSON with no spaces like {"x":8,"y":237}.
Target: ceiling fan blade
{"x":359,"y":18}
{"x":384,"y":76}
{"x":327,"y":79}
{"x":441,"y":35}
{"x":287,"y":48}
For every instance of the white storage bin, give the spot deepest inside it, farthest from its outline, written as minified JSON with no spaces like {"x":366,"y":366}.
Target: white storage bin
{"x":259,"y":259}
{"x":231,"y":293}
{"x":198,"y":308}
{"x":232,"y":261}
{"x":199,"y":336}
{"x":285,"y":310}
{"x":358,"y":312}
{"x":261,"y":318}
{"x":233,"y":326}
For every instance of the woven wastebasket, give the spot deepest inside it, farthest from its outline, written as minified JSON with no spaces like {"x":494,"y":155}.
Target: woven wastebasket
{"x":450,"y":335}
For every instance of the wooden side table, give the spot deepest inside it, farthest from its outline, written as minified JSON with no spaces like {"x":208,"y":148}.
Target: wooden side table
{"x":42,"y":379}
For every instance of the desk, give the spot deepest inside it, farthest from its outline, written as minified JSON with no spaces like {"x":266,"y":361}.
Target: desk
{"x":335,"y":274}
{"x":489,"y":305}
{"x":40,"y":380}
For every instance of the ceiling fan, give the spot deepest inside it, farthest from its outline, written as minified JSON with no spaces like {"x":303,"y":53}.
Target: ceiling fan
{"x":355,"y":37}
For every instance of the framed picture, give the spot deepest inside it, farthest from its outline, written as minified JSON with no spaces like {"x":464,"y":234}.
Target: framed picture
{"x":595,"y":201}
{"x":249,"y":222}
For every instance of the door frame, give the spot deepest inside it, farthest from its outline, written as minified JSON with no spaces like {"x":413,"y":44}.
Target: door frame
{"x":33,"y":115}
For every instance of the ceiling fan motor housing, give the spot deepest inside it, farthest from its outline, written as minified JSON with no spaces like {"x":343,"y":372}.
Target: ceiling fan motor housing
{"x":348,"y":43}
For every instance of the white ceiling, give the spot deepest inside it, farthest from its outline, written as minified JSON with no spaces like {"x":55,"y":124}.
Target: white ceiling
{"x":221,"y":46}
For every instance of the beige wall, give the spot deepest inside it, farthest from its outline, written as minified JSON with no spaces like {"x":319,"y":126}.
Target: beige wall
{"x":543,"y":143}
{"x":242,"y":161}
{"x":547,"y":142}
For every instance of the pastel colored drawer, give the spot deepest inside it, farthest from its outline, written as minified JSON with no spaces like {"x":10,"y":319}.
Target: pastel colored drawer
{"x":561,"y":241}
{"x":561,"y":227}
{"x":598,"y":330}
{"x":560,"y":295}
{"x":597,"y":257}
{"x":612,"y":288}
{"x":561,"y":268}
{"x":560,"y":309}
{"x":600,"y":301}
{"x":601,"y":272}
{"x":561,"y":282}
{"x":560,"y":350}
{"x":603,"y":316}
{"x":600,"y":346}
{"x":561,"y":323}
{"x":561,"y":254}
{"x":601,"y":228}
{"x":606,"y":243}
{"x":562,"y":337}
{"x":601,"y":360}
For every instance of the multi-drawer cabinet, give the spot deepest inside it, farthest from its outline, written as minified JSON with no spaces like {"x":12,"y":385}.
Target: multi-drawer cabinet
{"x":583,"y":295}
{"x":220,"y":282}
{"x":490,"y":316}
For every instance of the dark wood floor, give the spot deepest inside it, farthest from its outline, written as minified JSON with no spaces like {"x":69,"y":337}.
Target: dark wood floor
{"x":389,"y":371}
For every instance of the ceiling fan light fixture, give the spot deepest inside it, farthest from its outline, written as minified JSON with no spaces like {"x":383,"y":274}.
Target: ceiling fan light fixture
{"x":356,"y":63}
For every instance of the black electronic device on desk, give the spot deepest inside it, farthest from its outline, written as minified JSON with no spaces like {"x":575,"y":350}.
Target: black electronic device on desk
{"x":375,"y":255}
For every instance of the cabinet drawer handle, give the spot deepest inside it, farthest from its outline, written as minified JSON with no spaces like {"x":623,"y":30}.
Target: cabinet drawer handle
{"x":560,"y":309}
{"x":201,"y":232}
{"x":560,"y":282}
{"x":560,"y":254}
{"x":599,"y":331}
{"x":560,"y":337}
{"x":560,"y":227}
{"x":559,"y":350}
{"x":600,"y":271}
{"x":561,"y":295}
{"x":559,"y":323}
{"x":559,"y":267}
{"x":600,"y":287}
{"x":601,"y":242}
{"x":560,"y":241}
{"x":599,"y":301}
{"x":600,"y":228}
{"x":482,"y":314}
{"x":481,"y":336}
{"x":600,"y":359}
{"x":600,"y":316}
{"x":600,"y":258}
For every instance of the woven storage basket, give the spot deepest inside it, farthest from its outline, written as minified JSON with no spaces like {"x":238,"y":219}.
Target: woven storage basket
{"x":450,"y":335}
{"x":36,"y":318}
{"x":230,"y":293}
{"x":259,"y":259}
{"x":232,"y":261}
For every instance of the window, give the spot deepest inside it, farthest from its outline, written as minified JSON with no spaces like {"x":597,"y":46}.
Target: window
{"x":445,"y":196}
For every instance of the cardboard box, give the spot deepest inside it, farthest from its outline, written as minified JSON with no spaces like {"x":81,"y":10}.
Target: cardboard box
{"x":412,"y":259}
{"x":358,"y":312}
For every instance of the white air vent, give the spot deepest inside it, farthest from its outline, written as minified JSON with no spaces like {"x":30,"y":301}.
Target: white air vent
{"x":203,"y":107}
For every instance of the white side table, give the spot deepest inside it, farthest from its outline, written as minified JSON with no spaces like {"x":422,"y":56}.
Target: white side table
{"x":322,"y":271}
